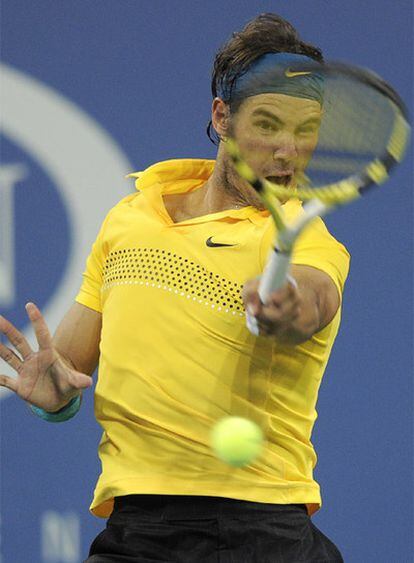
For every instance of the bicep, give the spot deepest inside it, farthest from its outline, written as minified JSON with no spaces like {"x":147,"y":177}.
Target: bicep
{"x":319,"y":291}
{"x":78,"y":336}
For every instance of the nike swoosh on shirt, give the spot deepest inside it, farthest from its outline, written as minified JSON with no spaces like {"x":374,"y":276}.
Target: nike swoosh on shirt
{"x":292,"y":74}
{"x":212,"y":244}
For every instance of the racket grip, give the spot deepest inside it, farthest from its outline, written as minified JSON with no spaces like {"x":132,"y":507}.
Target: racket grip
{"x":251,"y":324}
{"x":275,"y":274}
{"x":274,"y":277}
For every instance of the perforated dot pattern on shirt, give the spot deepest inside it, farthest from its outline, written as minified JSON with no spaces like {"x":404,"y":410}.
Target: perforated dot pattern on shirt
{"x":170,"y":272}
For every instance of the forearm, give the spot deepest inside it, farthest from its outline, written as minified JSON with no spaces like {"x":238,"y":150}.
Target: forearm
{"x":77,"y":338}
{"x":298,"y":310}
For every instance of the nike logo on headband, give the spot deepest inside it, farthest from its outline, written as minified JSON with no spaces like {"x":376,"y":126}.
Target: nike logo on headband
{"x":292,"y":74}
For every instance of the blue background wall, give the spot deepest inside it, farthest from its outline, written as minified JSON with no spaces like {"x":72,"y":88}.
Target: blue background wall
{"x":140,"y":70}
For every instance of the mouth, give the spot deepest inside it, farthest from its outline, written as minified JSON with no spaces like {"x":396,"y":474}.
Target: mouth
{"x":281,"y":179}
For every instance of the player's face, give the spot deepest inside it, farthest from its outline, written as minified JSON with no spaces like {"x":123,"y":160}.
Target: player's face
{"x":277,"y":135}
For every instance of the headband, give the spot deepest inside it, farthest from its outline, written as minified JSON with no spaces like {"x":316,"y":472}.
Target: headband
{"x":272,"y":73}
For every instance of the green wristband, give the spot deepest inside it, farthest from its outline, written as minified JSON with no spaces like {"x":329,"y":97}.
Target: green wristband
{"x":65,"y":413}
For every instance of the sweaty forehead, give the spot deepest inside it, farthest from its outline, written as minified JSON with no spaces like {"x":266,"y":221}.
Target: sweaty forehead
{"x":281,"y":106}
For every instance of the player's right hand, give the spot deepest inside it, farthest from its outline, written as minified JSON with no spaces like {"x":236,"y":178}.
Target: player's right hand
{"x":44,"y":378}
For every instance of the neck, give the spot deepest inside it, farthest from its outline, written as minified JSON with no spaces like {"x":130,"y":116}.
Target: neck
{"x":223,"y":190}
{"x":219,"y":194}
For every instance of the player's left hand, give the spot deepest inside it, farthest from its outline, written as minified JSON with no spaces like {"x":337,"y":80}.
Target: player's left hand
{"x":277,"y":317}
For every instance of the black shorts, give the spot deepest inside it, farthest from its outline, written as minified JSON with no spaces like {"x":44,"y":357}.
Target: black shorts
{"x":193,"y":529}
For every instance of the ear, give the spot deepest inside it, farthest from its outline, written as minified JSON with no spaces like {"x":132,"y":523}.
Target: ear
{"x":220,"y":114}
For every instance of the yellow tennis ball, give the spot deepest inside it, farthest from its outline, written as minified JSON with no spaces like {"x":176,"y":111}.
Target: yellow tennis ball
{"x":236,"y":441}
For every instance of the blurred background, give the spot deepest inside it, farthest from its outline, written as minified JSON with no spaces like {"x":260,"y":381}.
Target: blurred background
{"x":94,"y":90}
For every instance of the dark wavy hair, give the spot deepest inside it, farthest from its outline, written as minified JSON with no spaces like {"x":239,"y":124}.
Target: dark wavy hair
{"x":267,"y":33}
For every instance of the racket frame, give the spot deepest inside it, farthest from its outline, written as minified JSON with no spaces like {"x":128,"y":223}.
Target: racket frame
{"x":320,"y":200}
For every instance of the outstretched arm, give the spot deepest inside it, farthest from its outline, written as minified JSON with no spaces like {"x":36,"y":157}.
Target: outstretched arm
{"x":294,"y":314}
{"x":57,"y":372}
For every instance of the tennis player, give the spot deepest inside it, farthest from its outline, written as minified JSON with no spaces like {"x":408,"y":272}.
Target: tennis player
{"x":162,"y":311}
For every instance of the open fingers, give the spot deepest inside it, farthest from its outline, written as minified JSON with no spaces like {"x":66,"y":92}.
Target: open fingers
{"x":9,"y":382}
{"x":15,"y":337}
{"x":43,"y":336}
{"x":10,"y":357}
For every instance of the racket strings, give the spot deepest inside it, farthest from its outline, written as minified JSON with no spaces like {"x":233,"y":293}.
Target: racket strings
{"x":362,"y":134}
{"x":356,"y":126}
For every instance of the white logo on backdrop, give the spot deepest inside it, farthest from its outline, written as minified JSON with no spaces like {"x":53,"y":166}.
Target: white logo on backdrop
{"x":60,"y":537}
{"x":10,"y":175}
{"x":83,"y":162}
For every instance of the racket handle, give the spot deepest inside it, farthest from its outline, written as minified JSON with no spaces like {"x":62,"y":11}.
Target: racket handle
{"x":274,"y":277}
{"x":275,"y":274}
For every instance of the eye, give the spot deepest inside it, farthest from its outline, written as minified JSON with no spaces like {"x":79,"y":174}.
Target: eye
{"x":309,"y":129}
{"x":266,"y":126}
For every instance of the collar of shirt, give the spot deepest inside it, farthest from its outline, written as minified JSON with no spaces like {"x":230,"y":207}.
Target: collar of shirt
{"x":185,"y":175}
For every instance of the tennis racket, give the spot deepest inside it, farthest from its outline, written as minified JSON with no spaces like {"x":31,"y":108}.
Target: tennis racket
{"x":358,"y":138}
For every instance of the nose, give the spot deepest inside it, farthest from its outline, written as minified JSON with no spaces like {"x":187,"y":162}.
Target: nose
{"x":286,"y":148}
